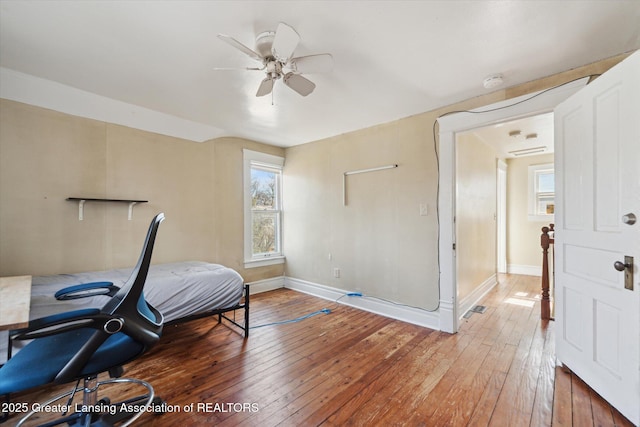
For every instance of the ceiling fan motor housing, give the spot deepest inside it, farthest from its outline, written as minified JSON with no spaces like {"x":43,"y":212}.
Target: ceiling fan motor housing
{"x":274,"y":69}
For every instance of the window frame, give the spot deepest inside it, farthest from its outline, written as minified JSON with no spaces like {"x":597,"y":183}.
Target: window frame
{"x":266,"y":161}
{"x":534,"y":194}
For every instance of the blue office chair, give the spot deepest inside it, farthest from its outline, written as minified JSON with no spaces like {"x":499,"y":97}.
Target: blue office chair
{"x":83,"y":343}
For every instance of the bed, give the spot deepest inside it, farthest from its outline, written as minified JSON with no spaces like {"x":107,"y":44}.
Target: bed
{"x":180,"y":291}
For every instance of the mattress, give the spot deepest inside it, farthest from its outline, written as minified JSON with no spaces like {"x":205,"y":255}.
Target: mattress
{"x":177,"y":290}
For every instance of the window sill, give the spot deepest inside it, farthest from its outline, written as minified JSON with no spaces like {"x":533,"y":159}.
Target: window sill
{"x":262,"y":262}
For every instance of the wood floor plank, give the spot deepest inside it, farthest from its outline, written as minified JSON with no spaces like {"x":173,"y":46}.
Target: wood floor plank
{"x":516,"y":399}
{"x":386,"y":392}
{"x":580,"y":402}
{"x":316,"y":402}
{"x":351,"y":367}
{"x":326,"y":378}
{"x":543,"y":403}
{"x":619,"y":419}
{"x":379,"y":383}
{"x":419,"y":380}
{"x":562,"y":409}
{"x":466,"y":393}
{"x":422,"y":407}
{"x":602,"y":415}
{"x":291,"y":373}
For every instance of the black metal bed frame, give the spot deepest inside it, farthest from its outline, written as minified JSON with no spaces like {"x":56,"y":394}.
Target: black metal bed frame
{"x":221,"y":312}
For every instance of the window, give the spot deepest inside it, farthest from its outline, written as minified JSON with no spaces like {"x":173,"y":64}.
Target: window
{"x":541,"y":192}
{"x":262,"y":209}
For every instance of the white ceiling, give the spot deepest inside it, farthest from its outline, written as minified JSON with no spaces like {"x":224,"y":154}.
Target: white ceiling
{"x":392,"y":59}
{"x":517,"y":138}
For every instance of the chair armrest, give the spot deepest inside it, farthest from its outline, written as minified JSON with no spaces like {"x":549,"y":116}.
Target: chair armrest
{"x":87,"y":290}
{"x":57,"y":323}
{"x":92,"y":318}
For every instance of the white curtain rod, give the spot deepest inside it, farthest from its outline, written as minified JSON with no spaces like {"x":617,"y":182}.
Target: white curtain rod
{"x":344,"y":178}
{"x":371,"y":169}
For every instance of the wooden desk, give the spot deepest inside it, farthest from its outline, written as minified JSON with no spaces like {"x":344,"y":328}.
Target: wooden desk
{"x":15,"y":302}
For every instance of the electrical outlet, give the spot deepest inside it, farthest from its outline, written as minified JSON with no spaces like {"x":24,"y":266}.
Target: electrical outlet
{"x":336,"y":273}
{"x":424,"y":209}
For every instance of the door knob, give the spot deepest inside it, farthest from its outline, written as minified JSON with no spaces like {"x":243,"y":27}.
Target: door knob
{"x":629,"y":219}
{"x":620,"y":266}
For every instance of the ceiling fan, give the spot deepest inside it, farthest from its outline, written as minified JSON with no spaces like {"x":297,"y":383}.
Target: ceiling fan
{"x":274,"y":49}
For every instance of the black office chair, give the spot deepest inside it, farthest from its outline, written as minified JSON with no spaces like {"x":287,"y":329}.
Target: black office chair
{"x":83,"y":343}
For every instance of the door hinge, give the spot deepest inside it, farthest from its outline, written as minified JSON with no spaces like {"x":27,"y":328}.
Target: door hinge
{"x":454,"y":246}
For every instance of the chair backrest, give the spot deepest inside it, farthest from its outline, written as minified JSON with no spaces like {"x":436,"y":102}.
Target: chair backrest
{"x":131,"y":295}
{"x":128,"y":312}
{"x":129,"y":301}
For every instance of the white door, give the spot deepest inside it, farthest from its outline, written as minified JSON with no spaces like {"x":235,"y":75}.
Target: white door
{"x":597,"y":137}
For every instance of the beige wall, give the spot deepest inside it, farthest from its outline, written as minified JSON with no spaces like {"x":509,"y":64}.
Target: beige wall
{"x":523,"y":235}
{"x":379,"y":241}
{"x":46,"y":156}
{"x":381,"y":244}
{"x":475,"y":213}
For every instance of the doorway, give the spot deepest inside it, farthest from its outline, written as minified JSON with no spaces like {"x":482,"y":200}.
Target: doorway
{"x":449,"y":126}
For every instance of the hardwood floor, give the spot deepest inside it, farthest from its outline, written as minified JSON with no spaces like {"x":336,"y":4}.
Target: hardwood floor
{"x":351,"y":367}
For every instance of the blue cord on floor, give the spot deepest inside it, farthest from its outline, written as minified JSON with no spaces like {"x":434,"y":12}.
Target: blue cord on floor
{"x":315,"y":313}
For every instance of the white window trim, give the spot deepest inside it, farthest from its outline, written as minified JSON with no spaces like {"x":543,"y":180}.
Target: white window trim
{"x":531,"y":208}
{"x":250,"y":156}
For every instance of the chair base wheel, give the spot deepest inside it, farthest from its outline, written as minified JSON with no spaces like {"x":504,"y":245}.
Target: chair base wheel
{"x":121,"y":413}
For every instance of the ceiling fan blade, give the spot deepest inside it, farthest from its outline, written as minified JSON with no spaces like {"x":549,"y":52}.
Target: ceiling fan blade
{"x":265,"y":87}
{"x":321,"y":63}
{"x":284,"y":43}
{"x":235,"y":43}
{"x":298,"y":83}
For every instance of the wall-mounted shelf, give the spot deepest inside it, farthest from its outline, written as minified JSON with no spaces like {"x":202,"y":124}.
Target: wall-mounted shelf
{"x":82,"y":200}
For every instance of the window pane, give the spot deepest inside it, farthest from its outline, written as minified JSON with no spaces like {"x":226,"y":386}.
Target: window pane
{"x":546,"y":182}
{"x":265,"y":232}
{"x":545,"y":205}
{"x":263,"y":188}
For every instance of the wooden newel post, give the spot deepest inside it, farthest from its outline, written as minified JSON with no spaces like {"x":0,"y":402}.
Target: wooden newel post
{"x":545,"y":304}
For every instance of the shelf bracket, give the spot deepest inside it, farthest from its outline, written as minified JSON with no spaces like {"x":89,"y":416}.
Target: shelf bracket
{"x":131,"y":205}
{"x":81,"y":209}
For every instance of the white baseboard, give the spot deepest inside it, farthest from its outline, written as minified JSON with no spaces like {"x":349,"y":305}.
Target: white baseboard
{"x":470,"y":300}
{"x":416,"y":316}
{"x":527,"y":270}
{"x":266,"y":285}
{"x":447,"y":316}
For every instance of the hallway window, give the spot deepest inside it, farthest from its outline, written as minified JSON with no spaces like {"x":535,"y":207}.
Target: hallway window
{"x":541,"y":192}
